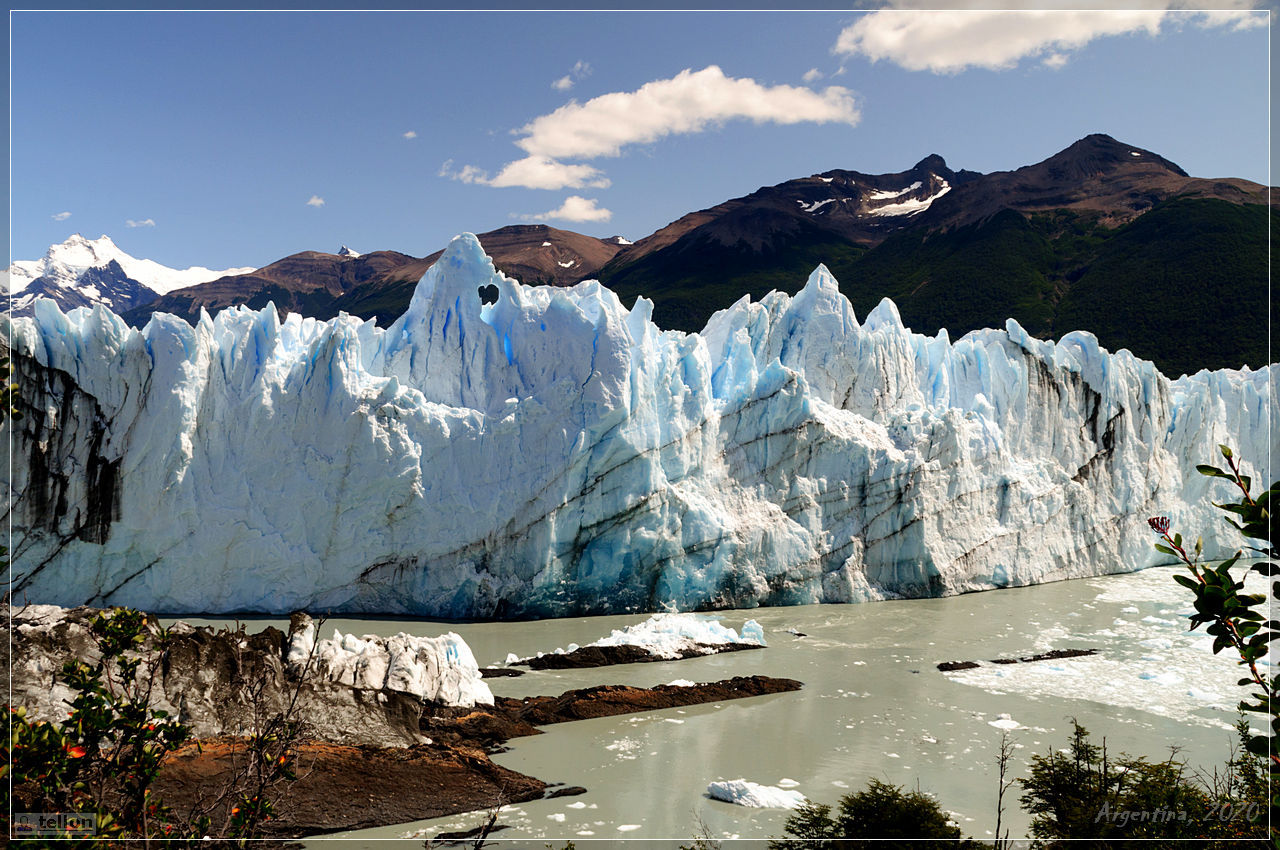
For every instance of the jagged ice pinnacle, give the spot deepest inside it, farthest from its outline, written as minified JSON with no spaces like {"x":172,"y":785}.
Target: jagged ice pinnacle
{"x":553,"y":453}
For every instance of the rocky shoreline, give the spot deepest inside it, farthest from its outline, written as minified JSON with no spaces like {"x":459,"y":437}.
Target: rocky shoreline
{"x":342,"y":787}
{"x":371,"y":756}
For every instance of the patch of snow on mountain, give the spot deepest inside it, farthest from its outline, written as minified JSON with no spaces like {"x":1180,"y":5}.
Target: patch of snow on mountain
{"x":881,"y":195}
{"x":911,"y":207}
{"x":816,"y":205}
{"x":567,"y":264}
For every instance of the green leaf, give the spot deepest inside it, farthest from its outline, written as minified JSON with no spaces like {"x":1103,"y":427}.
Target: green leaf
{"x":1160,"y":547}
{"x":1187,"y":582}
{"x":1226,"y":452}
{"x":1211,"y":471}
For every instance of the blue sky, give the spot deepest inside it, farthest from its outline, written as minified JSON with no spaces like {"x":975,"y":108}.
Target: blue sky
{"x":233,"y":139}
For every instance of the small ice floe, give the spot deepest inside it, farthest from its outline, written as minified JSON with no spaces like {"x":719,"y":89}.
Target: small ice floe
{"x":740,"y":792}
{"x":1004,"y":721}
{"x":1204,"y":696}
{"x":1166,"y":678}
{"x":1128,"y":609}
{"x":784,"y":782}
{"x":558,"y":817}
{"x":681,"y":683}
{"x":628,"y":827}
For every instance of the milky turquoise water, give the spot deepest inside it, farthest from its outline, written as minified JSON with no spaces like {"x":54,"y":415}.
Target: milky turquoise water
{"x":874,"y":705}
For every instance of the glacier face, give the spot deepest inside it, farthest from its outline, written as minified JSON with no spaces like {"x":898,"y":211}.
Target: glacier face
{"x":553,"y":453}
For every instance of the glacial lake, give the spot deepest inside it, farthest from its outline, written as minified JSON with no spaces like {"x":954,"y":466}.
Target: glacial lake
{"x":873,"y":705}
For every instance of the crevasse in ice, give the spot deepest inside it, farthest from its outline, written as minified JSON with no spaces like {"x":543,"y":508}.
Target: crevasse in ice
{"x":553,"y":453}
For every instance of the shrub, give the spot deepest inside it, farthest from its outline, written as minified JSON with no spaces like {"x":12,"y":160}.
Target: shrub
{"x":879,"y":812}
{"x":103,"y":757}
{"x":1234,"y":619}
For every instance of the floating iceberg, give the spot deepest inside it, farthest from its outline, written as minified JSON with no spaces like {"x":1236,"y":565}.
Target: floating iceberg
{"x":740,"y":792}
{"x":676,"y":635}
{"x":553,"y":453}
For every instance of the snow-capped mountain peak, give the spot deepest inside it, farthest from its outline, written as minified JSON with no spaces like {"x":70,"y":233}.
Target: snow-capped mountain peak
{"x":344,"y":251}
{"x":82,"y":252}
{"x":61,"y":275}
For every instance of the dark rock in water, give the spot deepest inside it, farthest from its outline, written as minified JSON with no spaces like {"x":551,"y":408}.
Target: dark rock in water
{"x":608,"y":700}
{"x":604,"y":656}
{"x":570,"y":791}
{"x":492,"y":726}
{"x":474,"y":832}
{"x":498,"y":672}
{"x":948,"y":666}
{"x":1059,"y":653}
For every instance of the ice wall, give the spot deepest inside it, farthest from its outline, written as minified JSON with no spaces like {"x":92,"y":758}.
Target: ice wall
{"x":554,"y":453}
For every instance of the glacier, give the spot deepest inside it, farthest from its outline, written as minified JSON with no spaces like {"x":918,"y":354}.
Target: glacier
{"x":553,"y":453}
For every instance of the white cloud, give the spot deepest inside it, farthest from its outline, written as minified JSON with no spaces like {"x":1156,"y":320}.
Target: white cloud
{"x":532,"y":172}
{"x":410,"y":135}
{"x":690,"y":102}
{"x":947,"y":42}
{"x":812,"y":74}
{"x":146,"y":222}
{"x":580,"y":70}
{"x":315,"y":201}
{"x":62,"y":216}
{"x":540,"y":172}
{"x":574,"y":208}
{"x":465,"y":174}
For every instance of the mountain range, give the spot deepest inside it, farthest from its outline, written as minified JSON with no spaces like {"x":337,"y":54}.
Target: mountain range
{"x":1102,"y":236}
